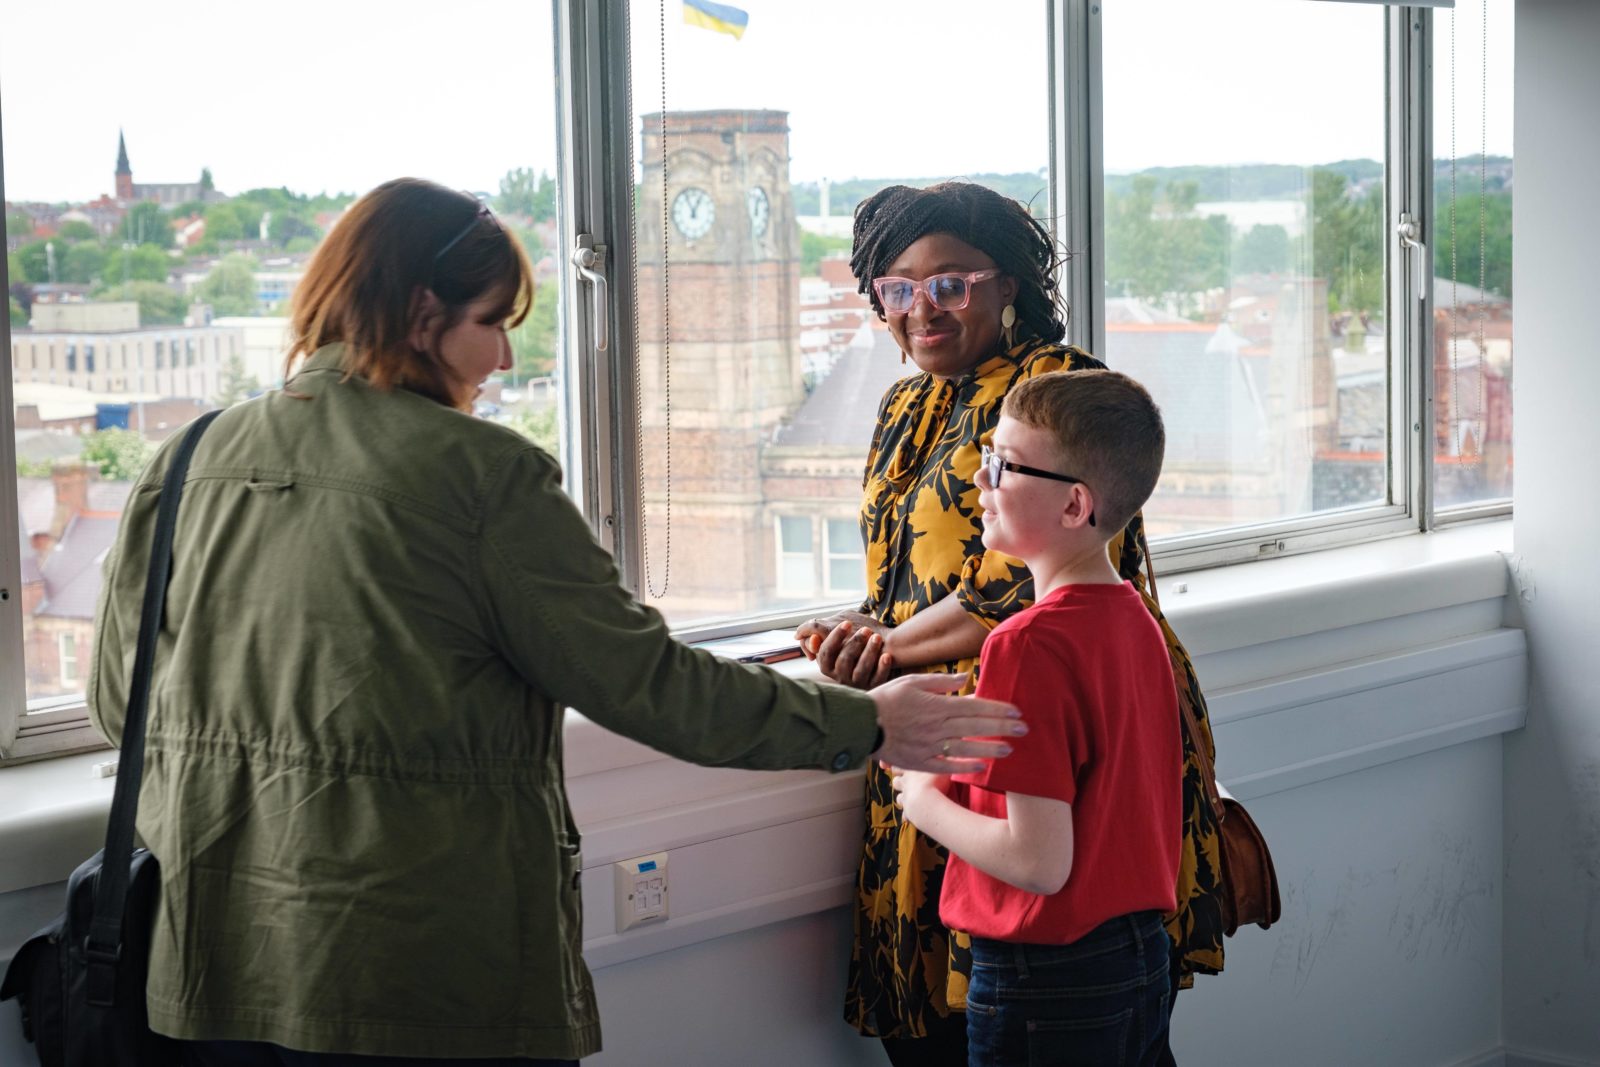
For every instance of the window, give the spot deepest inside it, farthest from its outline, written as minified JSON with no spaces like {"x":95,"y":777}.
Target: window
{"x":489,"y":107}
{"x":1244,"y":253}
{"x":844,"y":562}
{"x":1230,"y":189}
{"x":67,"y":648}
{"x":1472,"y":284}
{"x":759,"y":366}
{"x":797,"y":561}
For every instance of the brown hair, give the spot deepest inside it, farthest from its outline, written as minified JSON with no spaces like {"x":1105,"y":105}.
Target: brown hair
{"x":1108,"y":431}
{"x":360,"y":285}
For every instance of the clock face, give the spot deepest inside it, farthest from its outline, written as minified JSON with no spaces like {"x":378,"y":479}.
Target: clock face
{"x":693,"y":212}
{"x":760,"y":210}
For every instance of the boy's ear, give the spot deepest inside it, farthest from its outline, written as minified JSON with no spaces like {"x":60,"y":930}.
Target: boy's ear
{"x":423,"y":318}
{"x":1079,"y":508}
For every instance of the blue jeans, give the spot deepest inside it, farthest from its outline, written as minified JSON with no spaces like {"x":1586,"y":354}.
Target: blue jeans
{"x":1098,"y":1002}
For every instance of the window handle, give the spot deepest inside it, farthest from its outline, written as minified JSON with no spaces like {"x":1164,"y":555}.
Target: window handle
{"x":590,"y":260}
{"x":1408,"y":229}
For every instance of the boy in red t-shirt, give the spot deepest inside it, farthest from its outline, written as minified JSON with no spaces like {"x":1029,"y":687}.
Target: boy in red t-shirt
{"x":1063,"y":857}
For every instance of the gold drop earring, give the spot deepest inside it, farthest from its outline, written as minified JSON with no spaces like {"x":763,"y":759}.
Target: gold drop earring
{"x":1008,"y":323}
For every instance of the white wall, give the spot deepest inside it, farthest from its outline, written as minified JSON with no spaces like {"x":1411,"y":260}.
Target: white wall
{"x":1552,"y":773}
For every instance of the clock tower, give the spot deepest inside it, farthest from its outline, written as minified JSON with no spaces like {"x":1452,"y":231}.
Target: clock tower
{"x":718,"y":302}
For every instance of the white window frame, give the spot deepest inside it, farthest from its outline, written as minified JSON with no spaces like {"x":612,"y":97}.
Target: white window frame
{"x":600,"y":447}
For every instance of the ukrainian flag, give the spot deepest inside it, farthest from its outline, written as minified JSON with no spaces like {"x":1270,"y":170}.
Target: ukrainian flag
{"x":719,"y":17}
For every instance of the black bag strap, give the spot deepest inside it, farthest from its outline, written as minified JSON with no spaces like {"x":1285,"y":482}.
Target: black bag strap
{"x":103,"y":946}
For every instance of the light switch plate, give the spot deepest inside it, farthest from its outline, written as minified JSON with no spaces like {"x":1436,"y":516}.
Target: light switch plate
{"x":641,"y":890}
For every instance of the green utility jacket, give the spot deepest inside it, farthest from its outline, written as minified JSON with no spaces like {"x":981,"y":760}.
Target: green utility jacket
{"x":353,"y":781}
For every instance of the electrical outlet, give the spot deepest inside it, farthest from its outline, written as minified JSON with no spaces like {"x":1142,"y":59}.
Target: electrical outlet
{"x":641,"y":890}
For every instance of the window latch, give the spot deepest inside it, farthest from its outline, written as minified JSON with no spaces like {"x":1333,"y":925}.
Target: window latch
{"x":590,"y":260}
{"x":1409,"y":231}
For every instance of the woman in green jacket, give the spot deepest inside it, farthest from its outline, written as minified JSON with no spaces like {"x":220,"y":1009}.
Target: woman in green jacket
{"x":379,"y":606}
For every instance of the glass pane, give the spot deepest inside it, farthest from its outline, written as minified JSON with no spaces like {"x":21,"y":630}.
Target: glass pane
{"x":798,"y":576}
{"x":1244,"y":251}
{"x":775,"y":364}
{"x":156,"y":226}
{"x":796,"y":534}
{"x":1472,"y":93}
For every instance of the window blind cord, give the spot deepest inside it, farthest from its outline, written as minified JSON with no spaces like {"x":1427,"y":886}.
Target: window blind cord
{"x":666,"y":357}
{"x":1483,"y":240}
{"x":1455,"y":249}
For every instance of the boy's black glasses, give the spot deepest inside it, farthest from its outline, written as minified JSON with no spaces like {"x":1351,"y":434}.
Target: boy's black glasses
{"x":994,"y":466}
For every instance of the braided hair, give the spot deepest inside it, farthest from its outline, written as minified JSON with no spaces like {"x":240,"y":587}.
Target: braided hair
{"x":890,"y":220}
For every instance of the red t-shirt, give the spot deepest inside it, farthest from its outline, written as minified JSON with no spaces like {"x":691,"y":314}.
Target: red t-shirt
{"x":1088,"y":667}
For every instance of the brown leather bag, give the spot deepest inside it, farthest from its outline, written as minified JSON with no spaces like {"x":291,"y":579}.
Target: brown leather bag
{"x":1249,"y":882}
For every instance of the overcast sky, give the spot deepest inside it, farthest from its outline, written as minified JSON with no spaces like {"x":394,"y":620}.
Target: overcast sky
{"x":325,"y":97}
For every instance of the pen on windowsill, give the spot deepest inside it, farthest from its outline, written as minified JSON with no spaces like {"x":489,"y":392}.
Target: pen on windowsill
{"x":772,"y":655}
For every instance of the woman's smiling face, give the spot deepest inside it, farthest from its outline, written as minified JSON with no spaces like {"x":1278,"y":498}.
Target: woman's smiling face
{"x":949,"y":343}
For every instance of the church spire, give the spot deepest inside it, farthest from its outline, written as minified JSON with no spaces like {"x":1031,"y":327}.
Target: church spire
{"x":124,"y":171}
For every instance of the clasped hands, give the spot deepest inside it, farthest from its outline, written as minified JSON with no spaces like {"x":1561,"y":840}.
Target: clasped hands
{"x":849,"y":648}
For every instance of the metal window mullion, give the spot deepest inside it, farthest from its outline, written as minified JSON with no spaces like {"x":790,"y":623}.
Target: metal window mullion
{"x":1409,"y":191}
{"x":12,"y":673}
{"x":1077,"y":186}
{"x":588,"y":38}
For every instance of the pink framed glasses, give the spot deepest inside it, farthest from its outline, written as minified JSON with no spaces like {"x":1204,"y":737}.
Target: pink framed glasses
{"x":947,"y":292}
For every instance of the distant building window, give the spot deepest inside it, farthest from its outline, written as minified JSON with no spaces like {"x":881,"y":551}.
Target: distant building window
{"x":88,"y":359}
{"x":68,"y":646}
{"x":797,"y":568}
{"x":845,"y":564}
{"x":72,"y":358}
{"x":188,"y":352}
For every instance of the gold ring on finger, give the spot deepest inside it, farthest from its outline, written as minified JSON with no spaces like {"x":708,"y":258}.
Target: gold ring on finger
{"x":944,"y":749}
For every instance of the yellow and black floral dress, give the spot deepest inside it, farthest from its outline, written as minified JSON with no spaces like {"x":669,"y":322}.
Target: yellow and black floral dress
{"x":924,"y":541}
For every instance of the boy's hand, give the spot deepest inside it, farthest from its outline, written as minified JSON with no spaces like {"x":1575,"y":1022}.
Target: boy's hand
{"x":914,"y":791}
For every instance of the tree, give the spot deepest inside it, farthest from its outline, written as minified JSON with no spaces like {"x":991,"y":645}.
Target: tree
{"x":236,"y":385}
{"x":119,"y":454}
{"x":814,"y":247}
{"x":533,"y":344}
{"x":146,"y":224}
{"x":524,"y":193}
{"x":1159,"y":247}
{"x":19,"y":226}
{"x":539,"y":426}
{"x":18,"y":316}
{"x":230,"y":288}
{"x":206,"y":184}
{"x":1263,"y":250}
{"x":35,"y":262}
{"x":1496,"y":237}
{"x":83,"y":262}
{"x":159,"y":304}
{"x":76,"y":230}
{"x":223,"y":223}
{"x":142,"y":263}
{"x":290,"y":223}
{"x":1347,"y":243}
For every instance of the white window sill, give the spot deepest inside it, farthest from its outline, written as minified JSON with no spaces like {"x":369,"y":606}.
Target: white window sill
{"x":1309,"y":611}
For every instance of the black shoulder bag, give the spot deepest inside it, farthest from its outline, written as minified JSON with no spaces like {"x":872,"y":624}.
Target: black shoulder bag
{"x":81,"y":980}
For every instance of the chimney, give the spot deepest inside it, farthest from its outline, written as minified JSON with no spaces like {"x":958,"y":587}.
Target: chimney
{"x":72,"y":495}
